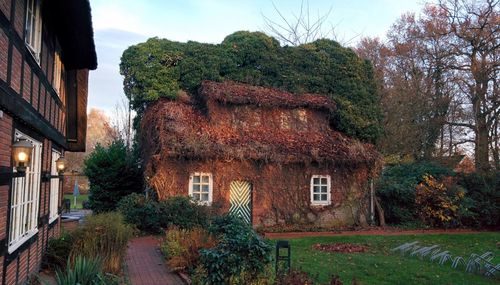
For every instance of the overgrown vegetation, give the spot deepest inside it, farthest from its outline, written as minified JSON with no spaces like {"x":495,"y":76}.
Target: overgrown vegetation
{"x":161,"y":68}
{"x":84,"y":271}
{"x":113,"y":173}
{"x":151,"y":216}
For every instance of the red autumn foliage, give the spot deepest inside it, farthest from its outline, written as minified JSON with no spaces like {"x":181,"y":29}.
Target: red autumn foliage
{"x":341,"y":247}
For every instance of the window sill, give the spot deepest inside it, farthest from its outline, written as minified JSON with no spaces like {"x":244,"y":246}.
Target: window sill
{"x":19,"y":243}
{"x":51,"y":220}
{"x":34,"y":54}
{"x":318,"y":204}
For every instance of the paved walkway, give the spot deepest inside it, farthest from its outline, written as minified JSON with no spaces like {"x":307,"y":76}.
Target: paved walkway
{"x":145,"y":264}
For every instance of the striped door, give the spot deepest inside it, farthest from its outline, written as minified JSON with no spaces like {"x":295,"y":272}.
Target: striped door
{"x":241,"y":200}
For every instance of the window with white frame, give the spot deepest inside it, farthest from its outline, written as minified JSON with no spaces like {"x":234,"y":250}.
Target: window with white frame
{"x":34,"y":27}
{"x":320,"y":190}
{"x":25,"y":194}
{"x":200,"y":187}
{"x":54,"y":188}
{"x":56,"y":82}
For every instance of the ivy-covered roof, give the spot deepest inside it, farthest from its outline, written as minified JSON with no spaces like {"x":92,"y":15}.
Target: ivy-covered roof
{"x":181,"y":129}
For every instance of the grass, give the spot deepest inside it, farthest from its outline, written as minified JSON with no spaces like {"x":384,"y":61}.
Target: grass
{"x":381,"y":266}
{"x":79,"y":200}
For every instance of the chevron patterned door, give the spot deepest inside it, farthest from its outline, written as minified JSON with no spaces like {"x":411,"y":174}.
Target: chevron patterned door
{"x":240,"y":198}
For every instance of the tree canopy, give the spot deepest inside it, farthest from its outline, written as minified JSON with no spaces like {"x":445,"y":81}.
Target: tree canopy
{"x":161,"y":68}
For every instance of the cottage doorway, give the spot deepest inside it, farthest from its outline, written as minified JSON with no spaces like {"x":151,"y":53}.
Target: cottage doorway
{"x":240,"y":199}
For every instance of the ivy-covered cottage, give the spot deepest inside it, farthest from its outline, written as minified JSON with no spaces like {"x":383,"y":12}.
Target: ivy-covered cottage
{"x":266,"y":155}
{"x":46,"y":51}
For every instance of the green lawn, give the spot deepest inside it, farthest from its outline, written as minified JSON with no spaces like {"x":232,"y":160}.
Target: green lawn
{"x":79,"y":200}
{"x":381,"y":266}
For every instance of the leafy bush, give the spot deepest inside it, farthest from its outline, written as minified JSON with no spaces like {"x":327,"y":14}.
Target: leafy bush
{"x":104,"y":237}
{"x":397,"y":187}
{"x":58,"y":250}
{"x":483,"y":192}
{"x":151,"y":216}
{"x":141,"y":212}
{"x":181,"y":247}
{"x":84,"y":272}
{"x":181,"y":212}
{"x":240,"y":255}
{"x":113,"y":173}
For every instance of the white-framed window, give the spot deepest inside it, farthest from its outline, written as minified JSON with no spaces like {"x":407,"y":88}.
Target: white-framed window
{"x":320,"y":190}
{"x":200,"y":187}
{"x":33,"y":37}
{"x":25,"y":193}
{"x":56,"y":82}
{"x":54,"y":188}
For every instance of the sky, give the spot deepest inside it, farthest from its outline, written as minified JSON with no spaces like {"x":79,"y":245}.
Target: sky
{"x":119,"y":24}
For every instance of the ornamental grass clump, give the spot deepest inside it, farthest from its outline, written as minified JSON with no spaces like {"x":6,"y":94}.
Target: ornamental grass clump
{"x":104,"y":237}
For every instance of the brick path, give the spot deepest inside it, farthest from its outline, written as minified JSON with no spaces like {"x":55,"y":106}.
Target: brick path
{"x":145,"y":264}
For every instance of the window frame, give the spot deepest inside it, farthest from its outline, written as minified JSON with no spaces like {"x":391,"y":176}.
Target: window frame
{"x":210,"y":187}
{"x":24,"y":205}
{"x":58,"y":73}
{"x":54,"y":189}
{"x":33,"y":31}
{"x":328,"y":190}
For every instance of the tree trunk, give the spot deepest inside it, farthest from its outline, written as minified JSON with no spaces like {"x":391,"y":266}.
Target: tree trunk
{"x":380,"y":213}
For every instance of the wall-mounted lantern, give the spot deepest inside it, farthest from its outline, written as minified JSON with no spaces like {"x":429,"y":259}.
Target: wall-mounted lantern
{"x":21,"y":153}
{"x":60,"y":167}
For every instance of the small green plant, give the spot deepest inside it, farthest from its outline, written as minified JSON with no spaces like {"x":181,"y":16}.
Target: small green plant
{"x":181,"y":212}
{"x":240,"y":255}
{"x":104,"y":237}
{"x":142,"y":212}
{"x":83,"y":271}
{"x":58,"y":250}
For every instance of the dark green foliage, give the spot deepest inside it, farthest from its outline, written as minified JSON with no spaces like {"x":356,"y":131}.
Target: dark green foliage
{"x":57,"y":252}
{"x":151,"y":216}
{"x":240,"y":252}
{"x":141,"y":212}
{"x":160,"y":68}
{"x":181,"y":212}
{"x":483,"y":193}
{"x":113,"y":173}
{"x":396,"y":189}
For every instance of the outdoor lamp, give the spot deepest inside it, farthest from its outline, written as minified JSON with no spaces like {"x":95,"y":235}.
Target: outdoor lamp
{"x":60,"y":165}
{"x":21,"y":152}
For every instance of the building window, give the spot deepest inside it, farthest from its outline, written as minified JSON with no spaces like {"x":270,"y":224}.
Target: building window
{"x":200,"y":187}
{"x":24,"y":198}
{"x":57,"y":74}
{"x":54,"y":188}
{"x":34,"y":27}
{"x":320,"y":190}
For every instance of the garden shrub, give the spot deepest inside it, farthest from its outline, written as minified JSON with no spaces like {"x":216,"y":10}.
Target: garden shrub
{"x":180,"y":211}
{"x":397,"y":187}
{"x":84,"y":271}
{"x":240,"y":255}
{"x":104,"y":237}
{"x":483,"y":192}
{"x":181,"y":247}
{"x":58,"y":249}
{"x":141,"y":212}
{"x":113,"y":173}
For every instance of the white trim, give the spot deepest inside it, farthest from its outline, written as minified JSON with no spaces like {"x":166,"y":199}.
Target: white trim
{"x":54,"y":188}
{"x":210,"y":186}
{"x":33,"y":23}
{"x":328,"y":190}
{"x":25,"y":194}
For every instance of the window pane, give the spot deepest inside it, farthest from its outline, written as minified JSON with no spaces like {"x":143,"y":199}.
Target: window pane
{"x":196,"y":196}
{"x":315,"y":189}
{"x":196,"y":188}
{"x":324,"y":189}
{"x":324,"y":181}
{"x":323,"y":197}
{"x":315,"y":180}
{"x":204,"y":188}
{"x":205,"y":179}
{"x":196,"y":179}
{"x":204,"y":197}
{"x":316,"y":197}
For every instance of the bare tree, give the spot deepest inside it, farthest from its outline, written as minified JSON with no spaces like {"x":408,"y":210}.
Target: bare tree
{"x":121,"y":122}
{"x":303,"y":27}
